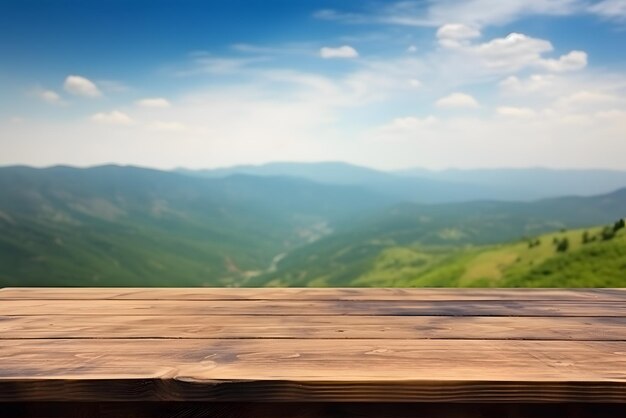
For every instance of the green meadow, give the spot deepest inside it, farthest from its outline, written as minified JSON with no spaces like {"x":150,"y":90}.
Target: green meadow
{"x":518,"y":264}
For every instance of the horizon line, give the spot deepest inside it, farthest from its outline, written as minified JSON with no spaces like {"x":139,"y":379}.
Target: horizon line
{"x":309,"y":163}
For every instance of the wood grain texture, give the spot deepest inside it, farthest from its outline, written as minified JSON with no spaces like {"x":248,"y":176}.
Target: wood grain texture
{"x":398,"y":294}
{"x":314,"y":345}
{"x":312,"y":308}
{"x":313,"y":327}
{"x":324,"y":370}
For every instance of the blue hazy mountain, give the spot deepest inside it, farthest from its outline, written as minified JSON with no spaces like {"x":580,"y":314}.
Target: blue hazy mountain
{"x":531,"y":183}
{"x":428,"y":186}
{"x":395,"y":186}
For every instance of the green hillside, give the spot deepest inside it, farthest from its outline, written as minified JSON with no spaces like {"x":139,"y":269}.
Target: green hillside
{"x":534,"y":262}
{"x":127,"y":226}
{"x":433,"y":236}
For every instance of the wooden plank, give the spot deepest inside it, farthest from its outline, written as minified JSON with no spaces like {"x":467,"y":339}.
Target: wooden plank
{"x":314,"y":327}
{"x":313,"y":370}
{"x":328,"y":345}
{"x":305,"y":410}
{"x":404,"y":294}
{"x":311,"y":307}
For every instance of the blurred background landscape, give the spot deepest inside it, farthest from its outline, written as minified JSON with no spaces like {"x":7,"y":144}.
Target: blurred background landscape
{"x":328,"y":143}
{"x":315,"y":224}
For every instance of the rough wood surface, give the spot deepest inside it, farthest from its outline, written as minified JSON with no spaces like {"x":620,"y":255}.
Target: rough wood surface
{"x":312,"y":308}
{"x":293,"y":345}
{"x":314,"y":327}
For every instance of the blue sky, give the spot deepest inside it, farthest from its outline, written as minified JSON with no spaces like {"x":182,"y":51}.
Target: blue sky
{"x":471,"y":83}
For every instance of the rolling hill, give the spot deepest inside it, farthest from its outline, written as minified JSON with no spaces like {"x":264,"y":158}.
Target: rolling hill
{"x":130,"y":226}
{"x":597,"y":263}
{"x":438,"y":231}
{"x":519,"y":264}
{"x":114,"y":225}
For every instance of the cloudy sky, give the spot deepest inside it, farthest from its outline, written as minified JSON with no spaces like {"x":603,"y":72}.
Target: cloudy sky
{"x":432,"y":83}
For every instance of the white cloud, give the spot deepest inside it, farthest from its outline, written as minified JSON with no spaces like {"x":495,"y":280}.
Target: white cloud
{"x":114,"y":117}
{"x":534,"y":83}
{"x":276,"y":113}
{"x":452,"y":35}
{"x":49,"y":96}
{"x":253,"y":123}
{"x":496,"y":12}
{"x":457,"y":100}
{"x":511,"y":83}
{"x":588,"y":100}
{"x":570,"y":95}
{"x":153,"y":102}
{"x":515,"y":139}
{"x":511,"y":53}
{"x":516,"y":112}
{"x":81,"y":86}
{"x":575,"y":60}
{"x":411,"y":49}
{"x":219,"y":65}
{"x":478,"y":13}
{"x":344,"y":51}
{"x":221,"y":124}
{"x":577,"y":87}
{"x":610,"y":9}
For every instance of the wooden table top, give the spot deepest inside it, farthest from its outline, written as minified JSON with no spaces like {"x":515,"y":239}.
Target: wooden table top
{"x":427,"y":345}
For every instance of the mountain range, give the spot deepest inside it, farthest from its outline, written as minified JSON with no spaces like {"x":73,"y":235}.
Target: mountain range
{"x":442,"y":186}
{"x":284,"y":223}
{"x":129,"y":225}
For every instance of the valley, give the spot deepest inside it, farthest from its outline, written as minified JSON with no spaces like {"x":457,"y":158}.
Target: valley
{"x":130,"y":226}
